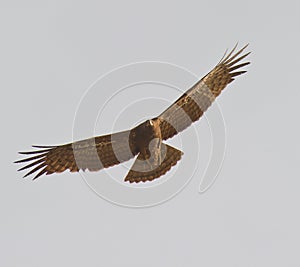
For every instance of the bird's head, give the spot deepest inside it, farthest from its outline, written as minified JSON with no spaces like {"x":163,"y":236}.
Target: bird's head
{"x":148,"y":129}
{"x":153,"y":123}
{"x":149,"y":123}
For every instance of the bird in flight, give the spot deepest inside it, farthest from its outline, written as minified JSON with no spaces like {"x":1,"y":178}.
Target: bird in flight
{"x":145,"y":141}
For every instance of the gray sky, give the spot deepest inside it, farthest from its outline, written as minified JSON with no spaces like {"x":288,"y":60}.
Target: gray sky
{"x":52,"y":52}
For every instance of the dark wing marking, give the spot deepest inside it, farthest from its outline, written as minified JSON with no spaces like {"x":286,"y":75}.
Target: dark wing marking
{"x":92,"y":154}
{"x":194,"y":102}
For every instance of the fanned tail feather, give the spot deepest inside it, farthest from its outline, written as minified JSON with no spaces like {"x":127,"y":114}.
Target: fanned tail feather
{"x":171,"y":158}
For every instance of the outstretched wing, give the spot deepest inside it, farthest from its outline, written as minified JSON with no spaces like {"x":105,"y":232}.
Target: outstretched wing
{"x":193,"y":103}
{"x":92,"y":154}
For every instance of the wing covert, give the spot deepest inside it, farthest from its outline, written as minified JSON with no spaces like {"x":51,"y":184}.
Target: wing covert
{"x":92,"y":154}
{"x":194,"y":102}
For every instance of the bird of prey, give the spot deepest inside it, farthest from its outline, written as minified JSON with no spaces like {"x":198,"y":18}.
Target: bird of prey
{"x":145,"y":141}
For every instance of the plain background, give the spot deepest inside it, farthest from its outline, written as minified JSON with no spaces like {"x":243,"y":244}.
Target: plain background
{"x":51,"y":51}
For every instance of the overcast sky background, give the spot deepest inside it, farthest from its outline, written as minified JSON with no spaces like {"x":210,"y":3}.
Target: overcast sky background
{"x":52,"y":51}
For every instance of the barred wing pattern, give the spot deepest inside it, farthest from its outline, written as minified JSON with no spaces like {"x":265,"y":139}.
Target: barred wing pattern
{"x":194,"y":102}
{"x":104,"y":151}
{"x":92,"y":154}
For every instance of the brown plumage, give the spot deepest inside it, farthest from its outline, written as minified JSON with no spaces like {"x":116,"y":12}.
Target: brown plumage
{"x":154,"y":158}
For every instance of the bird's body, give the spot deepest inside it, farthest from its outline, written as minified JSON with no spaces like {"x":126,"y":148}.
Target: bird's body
{"x":144,"y":133}
{"x":154,"y":158}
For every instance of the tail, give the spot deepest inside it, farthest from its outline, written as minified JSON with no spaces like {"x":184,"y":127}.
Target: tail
{"x":142,"y":170}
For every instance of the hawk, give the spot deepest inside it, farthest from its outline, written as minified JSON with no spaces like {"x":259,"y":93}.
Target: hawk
{"x":145,"y":141}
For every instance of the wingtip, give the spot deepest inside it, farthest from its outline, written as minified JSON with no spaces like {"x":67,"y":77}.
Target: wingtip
{"x":35,"y":177}
{"x":245,"y":46}
{"x":34,"y":152}
{"x":20,"y":169}
{"x":25,"y":175}
{"x":231,"y":57}
{"x":237,"y":73}
{"x":39,"y":146}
